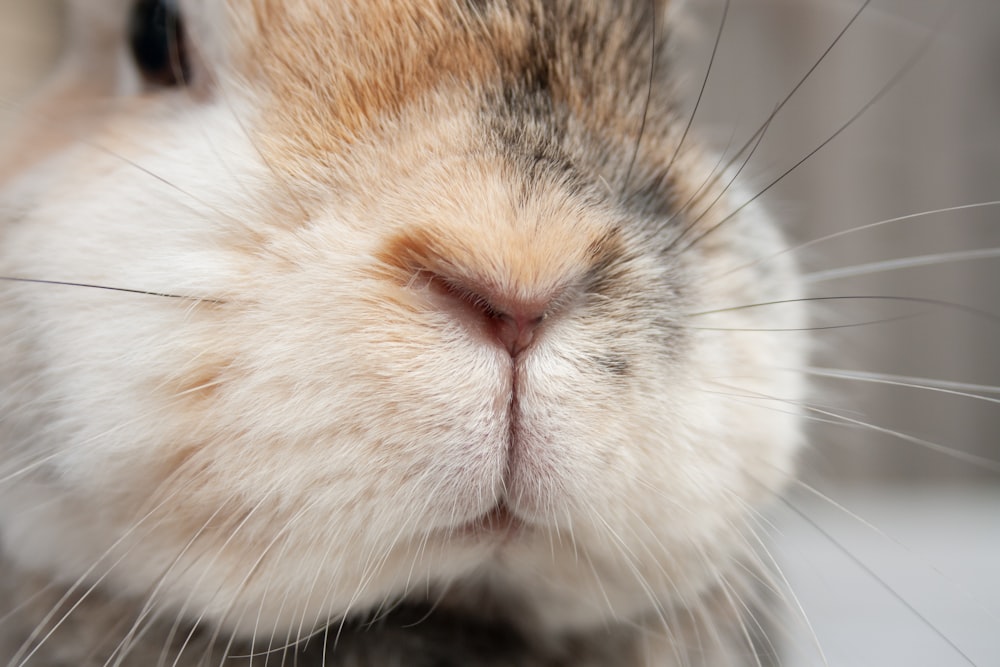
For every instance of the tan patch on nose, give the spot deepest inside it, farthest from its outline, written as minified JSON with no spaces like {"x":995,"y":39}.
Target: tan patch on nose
{"x":521,"y":263}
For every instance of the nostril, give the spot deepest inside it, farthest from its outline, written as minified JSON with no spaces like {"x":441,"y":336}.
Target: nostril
{"x":515,"y":332}
{"x":512,"y":322}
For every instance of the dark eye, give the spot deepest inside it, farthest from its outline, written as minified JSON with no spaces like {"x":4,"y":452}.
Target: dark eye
{"x":156,"y":36}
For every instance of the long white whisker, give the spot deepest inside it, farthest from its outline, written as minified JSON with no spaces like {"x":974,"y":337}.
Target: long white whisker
{"x":23,"y":655}
{"x":281,"y":535}
{"x":962,"y":389}
{"x":901,"y":263}
{"x":148,"y":607}
{"x":786,"y":591}
{"x":232,"y":535}
{"x":741,"y":611}
{"x":980,"y":461}
{"x":854,"y":230}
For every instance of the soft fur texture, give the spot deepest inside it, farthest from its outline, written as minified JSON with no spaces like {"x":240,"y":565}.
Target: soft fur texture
{"x":316,"y":412}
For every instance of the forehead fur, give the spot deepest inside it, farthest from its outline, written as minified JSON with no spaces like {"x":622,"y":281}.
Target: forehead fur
{"x":337,"y":71}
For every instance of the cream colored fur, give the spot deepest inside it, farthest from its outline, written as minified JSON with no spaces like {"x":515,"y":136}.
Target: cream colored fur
{"x":307,"y":433}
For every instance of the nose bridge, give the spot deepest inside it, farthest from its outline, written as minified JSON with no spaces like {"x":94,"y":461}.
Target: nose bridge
{"x":499,"y":268}
{"x":516,"y":256}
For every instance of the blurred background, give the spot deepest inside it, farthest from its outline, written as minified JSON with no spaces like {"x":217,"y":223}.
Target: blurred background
{"x":891,"y":545}
{"x":29,"y":41}
{"x":931,"y":142}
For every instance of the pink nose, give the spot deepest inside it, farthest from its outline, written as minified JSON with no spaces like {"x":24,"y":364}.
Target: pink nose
{"x":511,"y":321}
{"x":516,"y":331}
{"x":505,"y":303}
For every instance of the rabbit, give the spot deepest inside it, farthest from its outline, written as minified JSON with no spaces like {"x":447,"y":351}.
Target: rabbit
{"x":385,"y":332}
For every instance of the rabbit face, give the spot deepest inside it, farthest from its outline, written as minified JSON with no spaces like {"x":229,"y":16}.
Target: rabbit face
{"x":419,"y":299}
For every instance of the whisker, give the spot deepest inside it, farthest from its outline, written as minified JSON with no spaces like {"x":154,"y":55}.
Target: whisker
{"x":26,"y":602}
{"x":829,"y":327}
{"x":952,"y":388}
{"x":372,"y":568}
{"x":148,"y":610}
{"x":41,"y":461}
{"x":878,"y":580}
{"x":710,"y":182}
{"x":629,"y":559}
{"x":757,"y":137}
{"x":201,"y":617}
{"x":57,"y":126}
{"x":858,"y":297}
{"x":786,"y":591}
{"x":737,"y":604}
{"x":649,"y":96}
{"x":39,"y":281}
{"x":840,"y":507}
{"x":915,"y":57}
{"x":704,"y":85}
{"x":755,"y":399}
{"x":22,"y":657}
{"x":902,"y":263}
{"x":27,"y":468}
{"x":281,"y":535}
{"x":854,"y":230}
{"x":980,"y":461}
{"x":959,"y":455}
{"x":303,"y":636}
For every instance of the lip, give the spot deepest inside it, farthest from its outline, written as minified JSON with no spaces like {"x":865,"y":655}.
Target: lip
{"x":499,"y":522}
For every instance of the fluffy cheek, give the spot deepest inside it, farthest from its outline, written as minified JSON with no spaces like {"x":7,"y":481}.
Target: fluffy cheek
{"x":300,"y":425}
{"x":652,"y":478}
{"x":358,"y":419}
{"x":645,"y":486}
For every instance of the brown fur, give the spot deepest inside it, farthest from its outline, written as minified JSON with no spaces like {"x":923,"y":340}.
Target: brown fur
{"x":354,"y":72}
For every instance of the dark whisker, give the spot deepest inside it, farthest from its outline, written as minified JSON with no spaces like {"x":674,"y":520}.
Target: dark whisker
{"x":64,"y":283}
{"x":757,"y":137}
{"x":915,"y":58}
{"x":649,"y":96}
{"x":712,"y":181}
{"x":704,"y":85}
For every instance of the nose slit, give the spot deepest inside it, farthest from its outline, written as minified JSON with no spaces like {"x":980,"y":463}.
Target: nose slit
{"x":516,"y":332}
{"x":511,"y":322}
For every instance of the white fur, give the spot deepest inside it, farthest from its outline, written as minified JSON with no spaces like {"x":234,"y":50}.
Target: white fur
{"x":359,"y":429}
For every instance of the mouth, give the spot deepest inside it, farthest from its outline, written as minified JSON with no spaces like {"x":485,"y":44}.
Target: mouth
{"x":499,"y":523}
